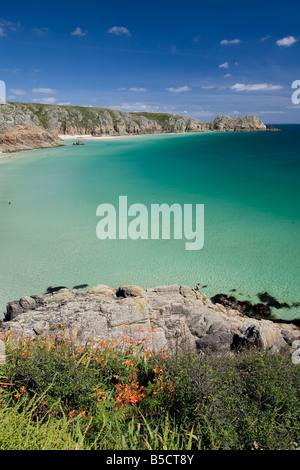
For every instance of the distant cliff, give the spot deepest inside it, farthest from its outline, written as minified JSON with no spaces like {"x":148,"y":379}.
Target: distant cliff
{"x":27,"y":125}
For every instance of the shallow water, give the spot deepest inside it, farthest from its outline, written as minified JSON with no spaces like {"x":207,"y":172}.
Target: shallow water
{"x":248,"y":183}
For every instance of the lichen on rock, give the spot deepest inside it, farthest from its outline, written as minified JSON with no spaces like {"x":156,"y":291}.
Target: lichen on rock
{"x":171,"y":318}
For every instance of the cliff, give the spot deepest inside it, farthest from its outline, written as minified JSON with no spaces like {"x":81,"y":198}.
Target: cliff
{"x":172,"y":318}
{"x":27,"y":125}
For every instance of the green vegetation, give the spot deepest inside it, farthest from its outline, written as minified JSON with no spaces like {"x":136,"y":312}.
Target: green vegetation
{"x":54,"y":395}
{"x":160,"y":118}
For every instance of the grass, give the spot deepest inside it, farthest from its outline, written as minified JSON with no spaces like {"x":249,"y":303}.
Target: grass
{"x":122,"y":396}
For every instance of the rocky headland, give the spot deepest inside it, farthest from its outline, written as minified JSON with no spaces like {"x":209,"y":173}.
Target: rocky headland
{"x":26,"y":126}
{"x":170,"y":318}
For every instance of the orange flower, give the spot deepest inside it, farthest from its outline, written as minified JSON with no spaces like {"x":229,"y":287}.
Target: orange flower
{"x":82,"y":414}
{"x":17,"y":395}
{"x":23,"y":389}
{"x":129,"y":394}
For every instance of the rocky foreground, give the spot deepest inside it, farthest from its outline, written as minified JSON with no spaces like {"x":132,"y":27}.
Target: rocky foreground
{"x":169,"y":318}
{"x":25,"y":126}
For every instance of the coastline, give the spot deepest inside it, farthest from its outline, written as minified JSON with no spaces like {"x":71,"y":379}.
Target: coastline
{"x":125,"y":136}
{"x":30,"y":131}
{"x":5,"y":156}
{"x":91,"y":137}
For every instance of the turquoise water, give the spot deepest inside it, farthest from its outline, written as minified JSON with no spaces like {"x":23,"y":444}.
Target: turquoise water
{"x":248,"y":183}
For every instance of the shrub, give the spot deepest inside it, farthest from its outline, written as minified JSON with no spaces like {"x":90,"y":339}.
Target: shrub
{"x":122,"y":396}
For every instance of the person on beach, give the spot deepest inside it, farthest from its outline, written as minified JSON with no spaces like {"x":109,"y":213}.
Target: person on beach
{"x":197,"y":287}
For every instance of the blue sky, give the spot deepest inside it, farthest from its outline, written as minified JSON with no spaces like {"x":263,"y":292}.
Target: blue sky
{"x":192,"y":58}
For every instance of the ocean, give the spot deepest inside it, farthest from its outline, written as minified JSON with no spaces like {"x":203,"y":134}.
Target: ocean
{"x":249,"y":184}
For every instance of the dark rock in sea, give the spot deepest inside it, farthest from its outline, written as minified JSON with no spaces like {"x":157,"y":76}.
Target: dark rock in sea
{"x":78,"y":143}
{"x":261,"y":309}
{"x":80,"y":286}
{"x":243,"y":306}
{"x":271,"y":301}
{"x":51,"y":289}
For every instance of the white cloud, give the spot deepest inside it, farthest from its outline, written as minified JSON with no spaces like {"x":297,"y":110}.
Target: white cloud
{"x":207,"y":87}
{"x":78,"y":32}
{"x":224,"y":66}
{"x":205,"y":113}
{"x":287,"y":41}
{"x":228,"y":75}
{"x":179,"y":90}
{"x":255,"y":87}
{"x":226,"y":42}
{"x":65,"y":104}
{"x":136,"y":107}
{"x":119,"y":31}
{"x":15,"y":70}
{"x":41,"y":31}
{"x":44,"y":90}
{"x":17,"y":91}
{"x":50,"y":100}
{"x":6,"y":26}
{"x":271,"y":112}
{"x":265,"y":38}
{"x":137,"y":89}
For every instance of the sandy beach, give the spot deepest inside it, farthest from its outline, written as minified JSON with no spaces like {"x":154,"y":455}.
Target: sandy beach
{"x":91,"y":137}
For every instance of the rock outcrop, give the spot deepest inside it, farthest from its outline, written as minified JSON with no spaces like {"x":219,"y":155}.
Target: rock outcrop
{"x":246,"y":123}
{"x":169,"y":318}
{"x":28,"y":125}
